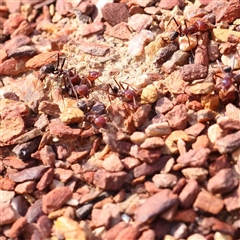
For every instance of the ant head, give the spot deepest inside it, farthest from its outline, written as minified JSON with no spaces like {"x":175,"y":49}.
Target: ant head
{"x":93,"y":75}
{"x":114,"y":90}
{"x":227,"y":69}
{"x":49,"y":68}
{"x":82,"y":105}
{"x":174,"y":35}
{"x":130,"y":94}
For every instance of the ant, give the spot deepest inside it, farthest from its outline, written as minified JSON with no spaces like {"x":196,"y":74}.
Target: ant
{"x":227,"y":79}
{"x":67,"y":75}
{"x":90,"y":114}
{"x":198,"y":26}
{"x":73,"y":83}
{"x":124,"y":93}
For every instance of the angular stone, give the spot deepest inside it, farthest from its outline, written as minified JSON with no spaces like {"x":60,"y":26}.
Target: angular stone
{"x":63,"y":174}
{"x":108,"y":216}
{"x":18,"y":227}
{"x":228,"y":143}
{"x":20,"y":204}
{"x":169,"y":5}
{"x":194,"y":158}
{"x":189,"y":193}
{"x":47,"y":156}
{"x":216,"y":225}
{"x":76,"y":157}
{"x":186,"y":215}
{"x":14,"y":162}
{"x":115,"y":13}
{"x":149,"y":156}
{"x":55,"y":199}
{"x":130,"y":232}
{"x":130,"y":162}
{"x":61,"y":130}
{"x":26,"y":187}
{"x":46,"y":179}
{"x":158,"y":129}
{"x":195,"y":129}
{"x":10,"y":128}
{"x":45,"y":224}
{"x":154,"y":205}
{"x":152,"y":142}
{"x":205,"y":115}
{"x":94,"y":49}
{"x":92,"y":28}
{"x":148,"y":234}
{"x":137,"y":22}
{"x":204,"y":202}
{"x":227,"y":123}
{"x":163,"y":105}
{"x":42,"y":59}
{"x":223,"y":182}
{"x":148,"y":169}
{"x":112,"y":163}
{"x":34,"y":211}
{"x":232,"y":200}
{"x":32,"y":173}
{"x":194,"y":71}
{"x":7,"y":184}
{"x":8,"y":214}
{"x":137,"y":43}
{"x":70,"y":229}
{"x":177,"y":117}
{"x":198,"y":173}
{"x":6,"y":196}
{"x":164,"y":180}
{"x":49,"y":108}
{"x":109,"y":180}
{"x":174,"y":83}
{"x":141,"y":115}
{"x":120,"y":31}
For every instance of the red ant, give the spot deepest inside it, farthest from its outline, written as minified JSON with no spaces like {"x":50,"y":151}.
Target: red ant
{"x":90,"y":115}
{"x":67,"y":74}
{"x":124,"y":93}
{"x":84,"y":85}
{"x":198,"y":26}
{"x":227,"y":80}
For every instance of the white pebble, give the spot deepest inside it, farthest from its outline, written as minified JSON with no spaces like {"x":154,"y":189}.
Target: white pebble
{"x":186,"y":43}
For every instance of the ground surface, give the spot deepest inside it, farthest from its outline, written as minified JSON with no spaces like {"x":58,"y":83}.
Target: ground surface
{"x":152,"y":149}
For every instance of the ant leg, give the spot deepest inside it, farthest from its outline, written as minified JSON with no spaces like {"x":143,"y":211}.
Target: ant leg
{"x":63,"y":62}
{"x":71,"y":85}
{"x":130,"y":86}
{"x":189,"y":46}
{"x":179,"y":27}
{"x":119,"y":86}
{"x":58,"y":61}
{"x":219,"y":65}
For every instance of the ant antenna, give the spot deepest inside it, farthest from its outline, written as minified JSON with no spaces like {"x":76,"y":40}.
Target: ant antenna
{"x":233,"y":62}
{"x":219,"y":65}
